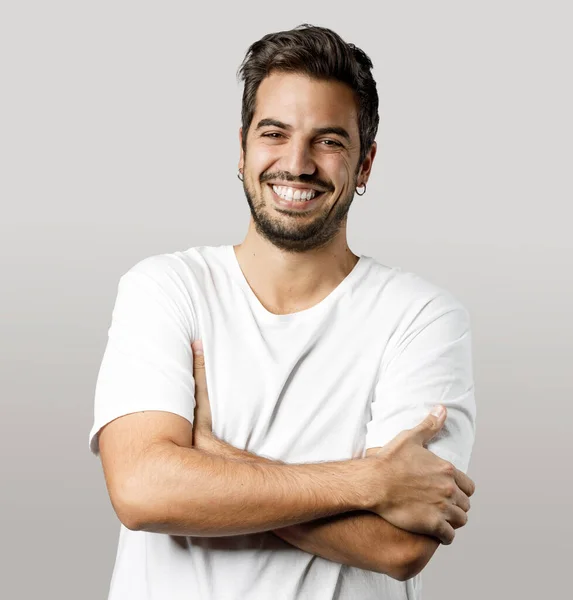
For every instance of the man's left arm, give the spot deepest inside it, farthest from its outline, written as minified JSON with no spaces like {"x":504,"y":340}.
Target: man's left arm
{"x":357,"y":539}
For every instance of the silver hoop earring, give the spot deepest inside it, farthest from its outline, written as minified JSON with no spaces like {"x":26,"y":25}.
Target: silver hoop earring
{"x":239,"y":175}
{"x":364,"y":186}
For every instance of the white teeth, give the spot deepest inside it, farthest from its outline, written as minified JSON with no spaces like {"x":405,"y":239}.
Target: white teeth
{"x":293,"y":194}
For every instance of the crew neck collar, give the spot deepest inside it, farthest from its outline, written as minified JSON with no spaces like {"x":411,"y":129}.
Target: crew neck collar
{"x":298,"y":316}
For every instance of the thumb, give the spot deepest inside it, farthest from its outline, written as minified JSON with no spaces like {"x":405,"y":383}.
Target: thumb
{"x":430,"y":426}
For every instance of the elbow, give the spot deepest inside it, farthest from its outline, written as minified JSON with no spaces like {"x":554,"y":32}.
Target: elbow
{"x":130,"y":521}
{"x":141,"y":508}
{"x":406,"y":571}
{"x":130,"y":517}
{"x":413,"y":559}
{"x":131,"y":506}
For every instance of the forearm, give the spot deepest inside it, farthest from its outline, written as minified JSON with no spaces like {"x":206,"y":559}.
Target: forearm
{"x":359,"y":539}
{"x":364,"y":540}
{"x":186,"y":491}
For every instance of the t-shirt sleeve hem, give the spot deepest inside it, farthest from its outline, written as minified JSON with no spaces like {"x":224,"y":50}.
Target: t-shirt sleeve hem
{"x":181,"y":410}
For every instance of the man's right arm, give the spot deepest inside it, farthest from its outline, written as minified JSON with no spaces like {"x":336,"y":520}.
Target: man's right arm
{"x":157,"y":482}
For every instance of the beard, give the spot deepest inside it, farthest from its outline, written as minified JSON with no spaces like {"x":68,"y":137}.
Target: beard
{"x":292,"y":233}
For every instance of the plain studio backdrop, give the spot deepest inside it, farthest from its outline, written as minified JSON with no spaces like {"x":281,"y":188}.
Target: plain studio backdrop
{"x":119,"y":140}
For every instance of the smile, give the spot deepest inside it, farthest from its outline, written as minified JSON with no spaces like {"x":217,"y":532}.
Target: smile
{"x":296,"y":194}
{"x":297,"y":199}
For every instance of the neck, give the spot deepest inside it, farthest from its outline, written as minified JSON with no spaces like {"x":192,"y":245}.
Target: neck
{"x":292,"y":281}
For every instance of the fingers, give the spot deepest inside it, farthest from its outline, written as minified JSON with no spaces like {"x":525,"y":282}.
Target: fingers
{"x":202,"y":406}
{"x":430,"y":426}
{"x":445,"y":533}
{"x":464,"y":482}
{"x":461,"y":500}
{"x":457,"y":517}
{"x":199,"y":368}
{"x":198,"y":357}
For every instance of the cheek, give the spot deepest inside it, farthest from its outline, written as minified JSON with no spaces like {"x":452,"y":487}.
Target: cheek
{"x":259,"y":166}
{"x":340,"y":171}
{"x":262,"y":154}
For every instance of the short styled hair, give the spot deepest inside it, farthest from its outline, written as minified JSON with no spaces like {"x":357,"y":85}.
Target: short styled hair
{"x":320,"y":53}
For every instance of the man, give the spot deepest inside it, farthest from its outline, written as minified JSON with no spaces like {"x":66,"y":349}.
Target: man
{"x":262,"y":410}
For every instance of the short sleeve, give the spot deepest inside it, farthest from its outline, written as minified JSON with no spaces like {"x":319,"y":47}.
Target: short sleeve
{"x":148,"y":361}
{"x":430,"y":364}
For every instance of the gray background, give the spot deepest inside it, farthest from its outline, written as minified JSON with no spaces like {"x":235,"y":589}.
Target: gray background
{"x":118,"y":140}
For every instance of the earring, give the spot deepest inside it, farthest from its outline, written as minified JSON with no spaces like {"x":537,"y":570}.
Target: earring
{"x":239,"y":174}
{"x":363,"y":192}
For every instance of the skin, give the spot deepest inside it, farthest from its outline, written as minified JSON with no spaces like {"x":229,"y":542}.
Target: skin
{"x":293,"y":260}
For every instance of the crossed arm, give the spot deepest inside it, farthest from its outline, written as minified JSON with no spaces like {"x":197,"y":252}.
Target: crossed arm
{"x":161,"y":480}
{"x":368,"y":513}
{"x":165,"y":476}
{"x":375,"y":513}
{"x":359,"y":539}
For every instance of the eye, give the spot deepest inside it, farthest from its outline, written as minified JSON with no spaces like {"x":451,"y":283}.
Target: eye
{"x":331,"y":143}
{"x":273,"y":135}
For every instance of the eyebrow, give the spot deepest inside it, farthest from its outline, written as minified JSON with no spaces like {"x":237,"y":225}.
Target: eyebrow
{"x":317,"y":131}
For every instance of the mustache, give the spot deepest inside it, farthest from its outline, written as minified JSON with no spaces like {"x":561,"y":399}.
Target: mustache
{"x":303,"y":179}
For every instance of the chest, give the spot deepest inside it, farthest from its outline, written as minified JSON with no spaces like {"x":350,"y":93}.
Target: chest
{"x":299,"y":393}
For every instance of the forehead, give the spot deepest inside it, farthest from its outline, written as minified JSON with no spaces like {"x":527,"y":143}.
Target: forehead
{"x":304,"y":102}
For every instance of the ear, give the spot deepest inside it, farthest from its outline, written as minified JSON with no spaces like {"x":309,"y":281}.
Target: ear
{"x":366,"y":167}
{"x":242,"y":154}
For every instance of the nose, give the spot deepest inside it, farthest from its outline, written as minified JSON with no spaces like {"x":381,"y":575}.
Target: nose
{"x":297,"y":159}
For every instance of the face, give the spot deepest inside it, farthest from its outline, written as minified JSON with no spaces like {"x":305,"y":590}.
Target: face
{"x":301,"y":161}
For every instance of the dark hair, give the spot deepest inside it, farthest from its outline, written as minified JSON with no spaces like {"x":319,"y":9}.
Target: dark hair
{"x":320,"y":53}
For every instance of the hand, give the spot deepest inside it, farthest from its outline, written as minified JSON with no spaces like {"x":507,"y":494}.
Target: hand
{"x":202,"y":423}
{"x":422,"y":492}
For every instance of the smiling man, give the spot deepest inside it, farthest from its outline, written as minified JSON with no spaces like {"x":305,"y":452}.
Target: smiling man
{"x":295,"y":205}
{"x":284,"y":418}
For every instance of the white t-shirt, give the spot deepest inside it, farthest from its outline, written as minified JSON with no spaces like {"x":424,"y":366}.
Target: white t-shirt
{"x":326,"y":383}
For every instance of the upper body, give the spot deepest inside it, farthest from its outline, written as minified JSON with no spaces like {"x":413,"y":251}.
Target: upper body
{"x":313,"y":354}
{"x":325,"y":383}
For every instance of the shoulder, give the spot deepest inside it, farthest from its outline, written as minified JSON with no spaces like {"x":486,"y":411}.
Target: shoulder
{"x":423,"y":296}
{"x":165,"y":284}
{"x":411,"y":308}
{"x":161,"y":267}
{"x":176,"y":271}
{"x":407,"y":295}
